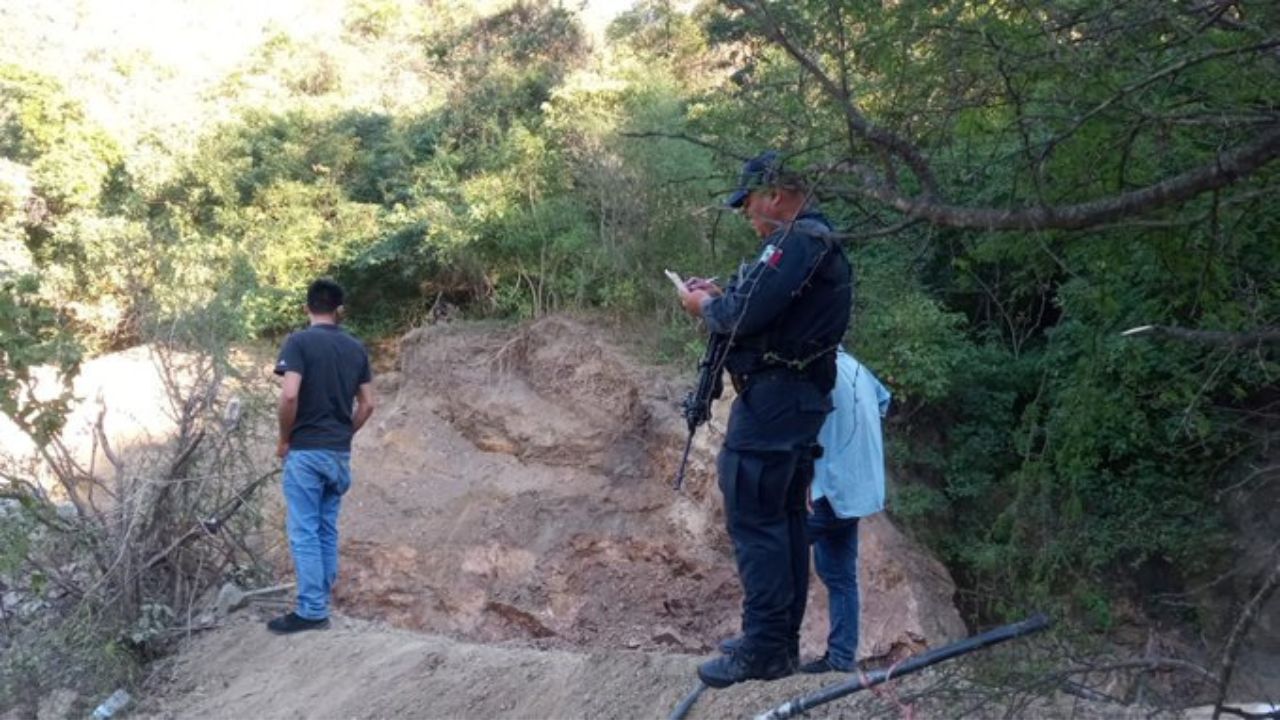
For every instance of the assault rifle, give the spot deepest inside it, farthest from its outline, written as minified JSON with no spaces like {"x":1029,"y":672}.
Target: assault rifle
{"x":697,"y":404}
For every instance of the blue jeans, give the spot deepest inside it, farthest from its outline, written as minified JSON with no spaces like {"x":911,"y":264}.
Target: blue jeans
{"x":314,"y":482}
{"x":835,"y":557}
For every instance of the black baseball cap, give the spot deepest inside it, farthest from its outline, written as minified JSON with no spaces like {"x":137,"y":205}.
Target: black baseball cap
{"x":760,"y":171}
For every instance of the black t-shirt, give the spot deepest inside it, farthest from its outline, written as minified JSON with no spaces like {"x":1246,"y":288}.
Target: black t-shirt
{"x":333,"y":366}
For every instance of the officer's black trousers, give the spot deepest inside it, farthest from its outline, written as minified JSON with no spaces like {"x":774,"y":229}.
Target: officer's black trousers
{"x":764,"y":471}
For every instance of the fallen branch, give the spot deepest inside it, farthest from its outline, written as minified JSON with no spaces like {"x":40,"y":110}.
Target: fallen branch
{"x":1239,"y":712}
{"x":211,"y":525}
{"x":1238,"y":633}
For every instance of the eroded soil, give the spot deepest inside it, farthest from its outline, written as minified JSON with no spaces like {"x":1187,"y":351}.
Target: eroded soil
{"x":515,"y":486}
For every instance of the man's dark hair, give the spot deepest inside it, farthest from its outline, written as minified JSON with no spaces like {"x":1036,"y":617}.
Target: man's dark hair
{"x":324,"y":297}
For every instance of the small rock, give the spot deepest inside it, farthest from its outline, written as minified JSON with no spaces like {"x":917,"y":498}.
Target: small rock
{"x":669,"y":636}
{"x":57,"y":704}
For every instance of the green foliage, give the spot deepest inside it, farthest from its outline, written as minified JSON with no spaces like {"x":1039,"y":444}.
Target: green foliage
{"x":32,"y":334}
{"x":372,"y":19}
{"x":41,"y":127}
{"x":1049,"y":457}
{"x":1043,"y":454}
{"x":913,"y":340}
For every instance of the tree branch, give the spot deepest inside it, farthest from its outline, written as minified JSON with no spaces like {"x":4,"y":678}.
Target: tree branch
{"x":33,"y":500}
{"x":1226,"y":168}
{"x":1238,"y":633}
{"x":1148,"y":80}
{"x":212,"y":524}
{"x":1237,"y":712}
{"x":857,"y":122}
{"x":689,"y":139}
{"x":1212,"y":337}
{"x":886,"y":231}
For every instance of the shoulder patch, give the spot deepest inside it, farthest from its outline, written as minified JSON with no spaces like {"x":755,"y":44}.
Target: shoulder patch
{"x":771,"y":256}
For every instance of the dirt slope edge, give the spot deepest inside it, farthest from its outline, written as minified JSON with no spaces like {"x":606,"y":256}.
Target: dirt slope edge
{"x":360,"y":669}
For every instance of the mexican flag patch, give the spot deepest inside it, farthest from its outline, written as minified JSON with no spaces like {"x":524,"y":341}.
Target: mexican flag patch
{"x":771,"y":256}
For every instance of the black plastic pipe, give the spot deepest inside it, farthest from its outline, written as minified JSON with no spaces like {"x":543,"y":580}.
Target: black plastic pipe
{"x":800,"y":705}
{"x":687,"y":703}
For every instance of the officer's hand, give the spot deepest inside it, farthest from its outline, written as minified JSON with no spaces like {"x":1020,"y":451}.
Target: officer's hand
{"x":692,"y":301}
{"x":707,"y":286}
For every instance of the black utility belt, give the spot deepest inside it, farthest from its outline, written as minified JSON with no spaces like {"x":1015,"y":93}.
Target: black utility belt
{"x":774,"y":374}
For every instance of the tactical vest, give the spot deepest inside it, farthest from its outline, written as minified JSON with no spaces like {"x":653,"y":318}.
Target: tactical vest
{"x":802,"y":340}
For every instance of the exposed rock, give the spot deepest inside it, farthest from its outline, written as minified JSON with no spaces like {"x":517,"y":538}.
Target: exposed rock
{"x":516,"y":485}
{"x":907,"y":596}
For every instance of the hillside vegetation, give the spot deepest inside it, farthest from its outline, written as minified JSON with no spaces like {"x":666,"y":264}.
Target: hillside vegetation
{"x":1019,"y":182}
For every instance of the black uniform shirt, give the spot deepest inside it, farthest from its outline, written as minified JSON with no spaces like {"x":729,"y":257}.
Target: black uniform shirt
{"x":791,"y":306}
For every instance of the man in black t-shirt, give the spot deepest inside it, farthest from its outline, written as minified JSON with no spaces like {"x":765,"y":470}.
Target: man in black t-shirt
{"x":326,"y":377}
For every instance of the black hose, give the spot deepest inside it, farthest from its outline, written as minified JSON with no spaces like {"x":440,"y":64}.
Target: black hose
{"x":805,"y":703}
{"x":686,"y":704}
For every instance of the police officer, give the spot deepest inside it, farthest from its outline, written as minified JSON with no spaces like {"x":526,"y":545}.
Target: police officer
{"x":785,"y":315}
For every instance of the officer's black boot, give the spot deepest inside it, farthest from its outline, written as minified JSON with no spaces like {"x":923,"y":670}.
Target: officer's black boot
{"x":729,"y":645}
{"x":744,"y":664}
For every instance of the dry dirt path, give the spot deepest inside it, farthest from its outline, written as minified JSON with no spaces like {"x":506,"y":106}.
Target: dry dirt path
{"x":358,"y":670}
{"x":361,"y":670}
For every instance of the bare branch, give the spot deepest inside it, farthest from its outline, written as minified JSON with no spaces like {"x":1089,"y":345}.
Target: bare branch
{"x":689,"y":139}
{"x":214,"y":523}
{"x":1213,"y":337}
{"x":886,"y":231}
{"x":1239,"y":632}
{"x":1237,"y":712}
{"x":1146,"y":664}
{"x":100,"y":435}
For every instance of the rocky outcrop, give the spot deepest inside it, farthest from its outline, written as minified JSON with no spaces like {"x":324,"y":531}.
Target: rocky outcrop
{"x":515,"y":485}
{"x":907,"y":596}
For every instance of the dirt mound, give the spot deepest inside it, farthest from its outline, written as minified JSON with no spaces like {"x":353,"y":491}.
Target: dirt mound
{"x":515,"y":486}
{"x":360,"y":669}
{"x":514,"y":491}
